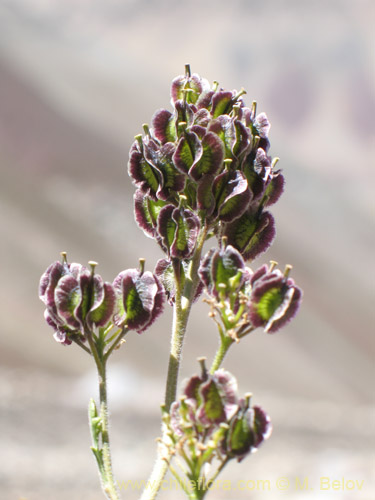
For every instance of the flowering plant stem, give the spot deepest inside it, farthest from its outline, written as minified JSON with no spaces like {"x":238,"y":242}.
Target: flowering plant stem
{"x":225,"y":343}
{"x":181,"y":311}
{"x":100,"y":423}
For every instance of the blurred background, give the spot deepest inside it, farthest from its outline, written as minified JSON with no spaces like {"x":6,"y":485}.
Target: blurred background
{"x":78,"y":79}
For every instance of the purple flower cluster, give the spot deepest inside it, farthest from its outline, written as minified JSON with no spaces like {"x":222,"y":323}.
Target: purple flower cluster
{"x":77,"y":300}
{"x":206,"y":163}
{"x":210,"y":414}
{"x":269,"y":298}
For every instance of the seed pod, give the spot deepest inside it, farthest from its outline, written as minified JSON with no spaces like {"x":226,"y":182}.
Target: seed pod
{"x":178,"y":229}
{"x":76,"y":298}
{"x":251,"y":234}
{"x":222,"y":271}
{"x":139,"y":299}
{"x":274,"y":300}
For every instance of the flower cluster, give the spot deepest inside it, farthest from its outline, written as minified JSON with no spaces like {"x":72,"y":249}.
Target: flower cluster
{"x":205,"y":163}
{"x":245,"y":300}
{"x":209,"y":421}
{"x":77,"y":300}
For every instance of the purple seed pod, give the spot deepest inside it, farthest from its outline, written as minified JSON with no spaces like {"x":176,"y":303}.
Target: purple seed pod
{"x":222,"y":271}
{"x":212,"y":150}
{"x":248,"y":428}
{"x":76,"y":299}
{"x":145,"y":176}
{"x":160,"y":159}
{"x":188,"y":152}
{"x":262,"y":426}
{"x":164,"y":126}
{"x":211,"y":399}
{"x":139,"y":299}
{"x":211,"y":158}
{"x":210,"y":408}
{"x":188,"y":87}
{"x":178,"y":229}
{"x":251,"y":234}
{"x":232,"y":195}
{"x":274,"y":300}
{"x":146,"y":211}
{"x":274,"y":189}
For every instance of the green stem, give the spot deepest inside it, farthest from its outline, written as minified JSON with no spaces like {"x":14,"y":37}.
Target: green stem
{"x":180,"y":319}
{"x":181,"y":311}
{"x":225,"y":343}
{"x":108,"y":482}
{"x":183,"y":301}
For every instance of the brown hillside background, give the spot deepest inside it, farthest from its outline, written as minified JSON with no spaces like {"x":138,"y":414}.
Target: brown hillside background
{"x":77,"y":81}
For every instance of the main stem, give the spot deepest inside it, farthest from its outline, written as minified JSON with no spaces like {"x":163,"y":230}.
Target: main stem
{"x":181,"y":311}
{"x":180,"y":319}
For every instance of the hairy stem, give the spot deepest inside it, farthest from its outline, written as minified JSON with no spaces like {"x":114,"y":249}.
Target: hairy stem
{"x":183,"y":301}
{"x":108,"y":482}
{"x":109,"y":486}
{"x":180,"y":318}
{"x":225,"y":343}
